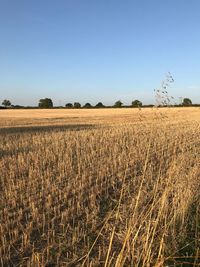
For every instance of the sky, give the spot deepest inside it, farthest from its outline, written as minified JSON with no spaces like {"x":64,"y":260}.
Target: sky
{"x":98,"y":50}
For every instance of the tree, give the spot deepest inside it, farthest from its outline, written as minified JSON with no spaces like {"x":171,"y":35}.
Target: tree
{"x":87,"y":105}
{"x":118,"y":104}
{"x":6,"y":103}
{"x":77,"y":105}
{"x":69,"y":105}
{"x":136,"y":103}
{"x":187,"y":102}
{"x":45,"y":103}
{"x":99,"y":105}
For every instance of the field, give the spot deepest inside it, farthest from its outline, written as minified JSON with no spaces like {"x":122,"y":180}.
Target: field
{"x":100,"y":187}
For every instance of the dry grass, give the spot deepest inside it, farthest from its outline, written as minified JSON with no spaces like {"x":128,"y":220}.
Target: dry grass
{"x":117,"y":187}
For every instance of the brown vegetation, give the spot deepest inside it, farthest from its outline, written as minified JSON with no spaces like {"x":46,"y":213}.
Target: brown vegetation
{"x":117,"y":187}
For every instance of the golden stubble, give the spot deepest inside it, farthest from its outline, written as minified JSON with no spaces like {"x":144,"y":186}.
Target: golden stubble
{"x":110,"y":187}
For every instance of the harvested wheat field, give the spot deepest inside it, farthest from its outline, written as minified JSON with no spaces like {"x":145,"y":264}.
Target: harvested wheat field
{"x":100,"y":187}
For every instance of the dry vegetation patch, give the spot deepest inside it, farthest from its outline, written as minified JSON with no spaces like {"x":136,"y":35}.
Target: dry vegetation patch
{"x":100,"y":188}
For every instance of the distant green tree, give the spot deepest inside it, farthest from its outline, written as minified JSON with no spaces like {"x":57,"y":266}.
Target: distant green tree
{"x":99,"y":105}
{"x":87,"y":105}
{"x":136,"y":103}
{"x":187,"y":102}
{"x":77,"y":105}
{"x":118,"y":104}
{"x":6,"y":103}
{"x":69,"y":105}
{"x":45,"y":103}
{"x":18,"y":106}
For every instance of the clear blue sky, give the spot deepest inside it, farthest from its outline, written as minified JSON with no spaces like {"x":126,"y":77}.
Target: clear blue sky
{"x":98,"y":50}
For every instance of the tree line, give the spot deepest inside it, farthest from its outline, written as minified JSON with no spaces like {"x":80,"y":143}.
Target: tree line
{"x":48,"y":103}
